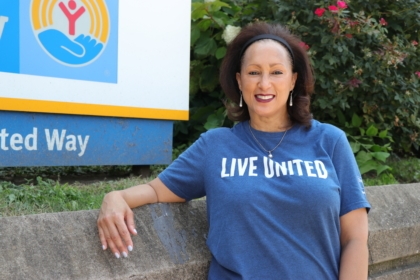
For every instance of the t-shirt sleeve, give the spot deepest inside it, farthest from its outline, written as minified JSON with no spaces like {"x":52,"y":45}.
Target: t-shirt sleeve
{"x":352,"y":191}
{"x":184,"y":176}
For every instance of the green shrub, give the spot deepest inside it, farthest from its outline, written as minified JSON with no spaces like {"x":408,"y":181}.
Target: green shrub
{"x":405,"y":170}
{"x":365,"y":57}
{"x":381,"y":180}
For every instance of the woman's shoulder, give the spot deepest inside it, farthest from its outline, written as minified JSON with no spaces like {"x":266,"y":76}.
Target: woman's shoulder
{"x":325,"y":128}
{"x":216,"y":133}
{"x":322,"y":132}
{"x":221,"y":132}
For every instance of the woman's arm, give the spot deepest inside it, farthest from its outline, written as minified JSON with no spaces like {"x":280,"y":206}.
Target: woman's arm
{"x":354,"y":250}
{"x":116,"y":221}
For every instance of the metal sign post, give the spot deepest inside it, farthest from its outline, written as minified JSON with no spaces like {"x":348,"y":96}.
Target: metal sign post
{"x":92,"y":82}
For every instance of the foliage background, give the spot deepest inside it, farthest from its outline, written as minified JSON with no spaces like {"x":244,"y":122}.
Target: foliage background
{"x":365,"y":57}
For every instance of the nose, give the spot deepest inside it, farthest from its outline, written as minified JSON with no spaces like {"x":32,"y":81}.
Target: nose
{"x":264,"y":82}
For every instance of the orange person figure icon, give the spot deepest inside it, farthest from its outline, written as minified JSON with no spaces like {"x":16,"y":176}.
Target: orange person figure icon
{"x":72,"y":18}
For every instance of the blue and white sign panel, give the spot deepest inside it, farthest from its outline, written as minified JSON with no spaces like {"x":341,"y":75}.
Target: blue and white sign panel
{"x":28,"y":139}
{"x":92,"y":82}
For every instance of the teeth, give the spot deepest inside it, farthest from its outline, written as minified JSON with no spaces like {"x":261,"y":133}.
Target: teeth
{"x":264,"y":96}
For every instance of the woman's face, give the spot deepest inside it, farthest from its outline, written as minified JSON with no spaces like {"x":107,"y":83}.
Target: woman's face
{"x":266,"y":79}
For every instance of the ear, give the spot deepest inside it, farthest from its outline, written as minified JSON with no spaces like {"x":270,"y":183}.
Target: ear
{"x":238,"y":79}
{"x":294,"y":79}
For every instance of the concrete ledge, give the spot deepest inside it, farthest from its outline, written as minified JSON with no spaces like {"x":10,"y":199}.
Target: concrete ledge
{"x":171,"y":242}
{"x":394,"y":232}
{"x":170,"y":245}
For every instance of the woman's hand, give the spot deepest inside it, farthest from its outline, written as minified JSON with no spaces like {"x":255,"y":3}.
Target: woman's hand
{"x":116,"y":220}
{"x":115,"y":223}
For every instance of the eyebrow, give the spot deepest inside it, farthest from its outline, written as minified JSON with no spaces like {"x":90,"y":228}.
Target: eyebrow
{"x":271,"y":65}
{"x":274,"y":64}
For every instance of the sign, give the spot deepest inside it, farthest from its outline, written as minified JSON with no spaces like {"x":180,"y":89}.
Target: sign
{"x":96,"y":57}
{"x":92,"y":82}
{"x":28,"y":139}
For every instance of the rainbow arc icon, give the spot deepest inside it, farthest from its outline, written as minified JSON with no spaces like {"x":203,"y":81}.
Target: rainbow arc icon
{"x":73,"y":33}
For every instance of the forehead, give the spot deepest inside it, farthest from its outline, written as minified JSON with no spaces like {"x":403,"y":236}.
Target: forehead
{"x":266,"y":50}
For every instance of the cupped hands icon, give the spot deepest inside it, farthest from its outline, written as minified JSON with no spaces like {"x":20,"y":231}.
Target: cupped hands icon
{"x":83,"y":49}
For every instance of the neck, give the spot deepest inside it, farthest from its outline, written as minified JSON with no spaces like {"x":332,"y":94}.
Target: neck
{"x":270,"y":125}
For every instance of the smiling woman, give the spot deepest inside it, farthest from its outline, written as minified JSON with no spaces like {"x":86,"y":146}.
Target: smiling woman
{"x":284,"y":194}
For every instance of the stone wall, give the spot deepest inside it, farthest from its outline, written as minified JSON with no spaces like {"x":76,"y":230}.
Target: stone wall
{"x":171,"y":242}
{"x":394,"y":232}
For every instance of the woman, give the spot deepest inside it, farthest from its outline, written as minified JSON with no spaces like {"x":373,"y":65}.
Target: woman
{"x":285,"y":198}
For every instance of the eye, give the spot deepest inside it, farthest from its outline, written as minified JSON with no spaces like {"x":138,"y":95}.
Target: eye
{"x":253,"y":72}
{"x":277,"y":72}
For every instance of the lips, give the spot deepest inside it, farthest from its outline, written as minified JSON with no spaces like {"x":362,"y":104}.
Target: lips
{"x":264,"y":97}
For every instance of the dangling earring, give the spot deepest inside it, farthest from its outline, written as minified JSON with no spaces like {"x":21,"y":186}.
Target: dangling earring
{"x":240,"y":100}
{"x":291,"y":99}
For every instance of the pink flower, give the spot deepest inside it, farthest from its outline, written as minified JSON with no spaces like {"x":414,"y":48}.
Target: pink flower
{"x":333,"y":9}
{"x":319,"y":12}
{"x":418,"y":74}
{"x":354,"y":83}
{"x":342,"y":4}
{"x":304,"y":46}
{"x":349,"y":36}
{"x":414,"y":43}
{"x":352,"y":23}
{"x":383,"y":22}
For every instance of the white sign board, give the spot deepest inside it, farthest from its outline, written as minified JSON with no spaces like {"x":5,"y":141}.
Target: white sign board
{"x":127,"y":58}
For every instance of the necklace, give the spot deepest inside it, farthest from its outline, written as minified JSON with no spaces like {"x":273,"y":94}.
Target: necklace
{"x":270,"y":155}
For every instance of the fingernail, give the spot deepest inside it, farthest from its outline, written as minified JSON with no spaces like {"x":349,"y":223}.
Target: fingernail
{"x":103,"y":247}
{"x":130,"y":248}
{"x":124,"y":254}
{"x":135,"y":231}
{"x":117,"y":255}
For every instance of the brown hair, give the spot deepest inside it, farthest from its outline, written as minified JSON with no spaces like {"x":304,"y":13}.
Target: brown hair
{"x":304,"y":86}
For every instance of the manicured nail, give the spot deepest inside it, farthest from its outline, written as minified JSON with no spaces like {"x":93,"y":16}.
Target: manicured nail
{"x":117,"y":255}
{"x":103,"y":247}
{"x":124,"y":254}
{"x":135,"y":231}
{"x":130,"y":248}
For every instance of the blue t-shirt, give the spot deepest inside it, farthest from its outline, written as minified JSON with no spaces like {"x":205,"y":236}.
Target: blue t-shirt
{"x":273,"y":218}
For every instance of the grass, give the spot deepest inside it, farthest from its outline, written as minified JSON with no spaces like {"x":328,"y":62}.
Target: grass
{"x":48,"y":196}
{"x":41,"y":195}
{"x":383,"y":179}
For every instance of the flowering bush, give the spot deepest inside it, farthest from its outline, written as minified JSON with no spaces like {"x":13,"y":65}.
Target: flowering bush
{"x":365,"y":56}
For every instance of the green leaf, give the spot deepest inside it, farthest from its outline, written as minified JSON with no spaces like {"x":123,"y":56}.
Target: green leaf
{"x":11,"y":198}
{"x":382,"y":156}
{"x":204,"y":24}
{"x":341,"y":117}
{"x":367,"y":166}
{"x":363,"y":157}
{"x":216,"y":5}
{"x":372,"y":131}
{"x":355,"y":147}
{"x":209,"y":78}
{"x":205,"y":46}
{"x":220,"y":53}
{"x":383,"y":134}
{"x":199,"y":10}
{"x":356,"y":121}
{"x":382,"y":168}
{"x":376,"y":148}
{"x":214,"y":120}
{"x":195,"y":34}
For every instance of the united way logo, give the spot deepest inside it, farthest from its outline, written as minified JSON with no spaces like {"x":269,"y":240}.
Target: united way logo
{"x":73,"y":33}
{"x":69,"y":39}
